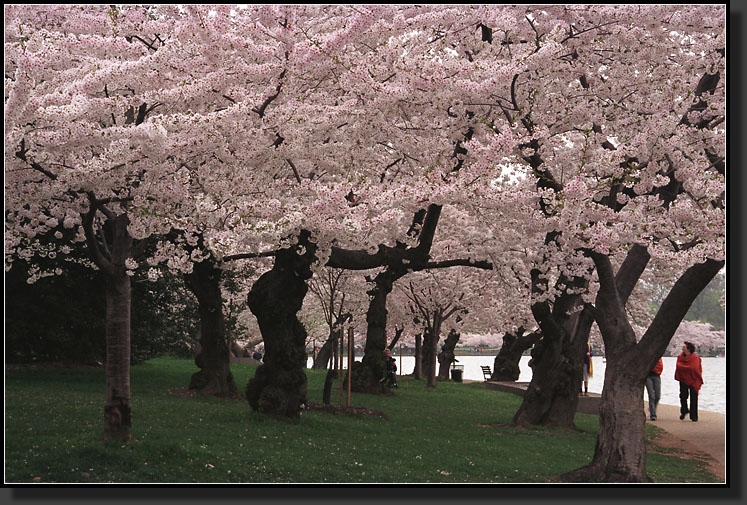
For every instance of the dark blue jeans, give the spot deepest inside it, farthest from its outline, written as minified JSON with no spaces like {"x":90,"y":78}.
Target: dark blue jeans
{"x":686,"y":390}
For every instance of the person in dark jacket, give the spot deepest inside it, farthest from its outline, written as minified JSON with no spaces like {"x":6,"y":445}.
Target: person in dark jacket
{"x":391,"y":369}
{"x":653,"y":388}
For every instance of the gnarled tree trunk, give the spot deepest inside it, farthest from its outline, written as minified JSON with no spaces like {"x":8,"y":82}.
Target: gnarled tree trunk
{"x":367,"y":376}
{"x":506,"y":364}
{"x":552,"y":395}
{"x":620,"y":452}
{"x":540,"y":393}
{"x":446,"y":356}
{"x":214,"y":357}
{"x":278,"y":387}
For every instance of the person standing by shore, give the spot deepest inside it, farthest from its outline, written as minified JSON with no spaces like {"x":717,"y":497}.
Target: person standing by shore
{"x":588,"y":369}
{"x":689,"y":373}
{"x":653,"y":388}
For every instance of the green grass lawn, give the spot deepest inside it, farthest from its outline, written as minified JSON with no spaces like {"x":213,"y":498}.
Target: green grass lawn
{"x":456,"y":433}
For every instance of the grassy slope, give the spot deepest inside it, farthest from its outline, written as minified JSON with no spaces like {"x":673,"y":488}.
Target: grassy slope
{"x":457,"y":433}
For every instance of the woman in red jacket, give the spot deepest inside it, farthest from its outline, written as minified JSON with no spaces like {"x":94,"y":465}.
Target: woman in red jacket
{"x":690,"y":374}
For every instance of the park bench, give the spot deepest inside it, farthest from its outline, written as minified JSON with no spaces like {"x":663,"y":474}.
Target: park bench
{"x":486,"y":373}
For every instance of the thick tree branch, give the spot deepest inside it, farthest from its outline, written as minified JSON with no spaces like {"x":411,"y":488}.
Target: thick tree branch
{"x":94,"y":251}
{"x":261,"y":109}
{"x":674,"y":307}
{"x":631,"y":270}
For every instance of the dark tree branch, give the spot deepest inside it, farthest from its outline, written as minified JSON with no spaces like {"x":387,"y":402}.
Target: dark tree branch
{"x":674,"y":307}
{"x":295,"y":170}
{"x":93,"y":249}
{"x":261,"y":109}
{"x":631,"y":270}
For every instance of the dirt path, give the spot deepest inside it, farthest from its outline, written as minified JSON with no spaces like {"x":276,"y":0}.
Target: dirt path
{"x":705,"y":440}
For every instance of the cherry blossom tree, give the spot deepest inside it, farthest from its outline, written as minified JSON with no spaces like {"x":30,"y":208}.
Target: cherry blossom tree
{"x":623,"y":132}
{"x":584,"y":141}
{"x":702,"y":335}
{"x":118,"y":116}
{"x":340,"y":297}
{"x":82,"y":149}
{"x":437,"y":298}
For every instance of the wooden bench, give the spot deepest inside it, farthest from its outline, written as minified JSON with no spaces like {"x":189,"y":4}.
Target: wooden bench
{"x":486,"y":373}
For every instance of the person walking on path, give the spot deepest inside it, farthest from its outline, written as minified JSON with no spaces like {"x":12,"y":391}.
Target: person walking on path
{"x":690,"y":375}
{"x":588,"y":369}
{"x":653,"y":388}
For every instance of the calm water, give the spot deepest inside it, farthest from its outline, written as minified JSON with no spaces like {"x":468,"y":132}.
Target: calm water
{"x":712,"y":394}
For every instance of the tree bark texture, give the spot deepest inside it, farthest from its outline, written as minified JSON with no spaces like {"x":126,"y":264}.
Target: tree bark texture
{"x":118,"y":407}
{"x":431,"y":336}
{"x":506,"y":364}
{"x":366,"y":378}
{"x":552,"y":394}
{"x":620,"y":452}
{"x":278,"y":387}
{"x":446,"y":356}
{"x":214,"y":357}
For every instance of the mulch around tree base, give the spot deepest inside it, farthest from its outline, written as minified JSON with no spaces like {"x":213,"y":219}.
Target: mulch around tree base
{"x":337,"y":409}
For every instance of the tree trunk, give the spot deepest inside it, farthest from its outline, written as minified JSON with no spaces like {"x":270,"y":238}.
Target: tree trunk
{"x":430,"y":346}
{"x":417,"y":372}
{"x":214,"y":357}
{"x":400,"y":260}
{"x":620,"y":452}
{"x":552,"y":395}
{"x":278,"y":387}
{"x":367,"y":376}
{"x":118,"y":408}
{"x":326,"y":352}
{"x":619,"y":455}
{"x":540,"y":392}
{"x":446,"y":356}
{"x":506,"y":364}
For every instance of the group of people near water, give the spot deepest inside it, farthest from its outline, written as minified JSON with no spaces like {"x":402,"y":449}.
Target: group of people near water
{"x":688,"y":372}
